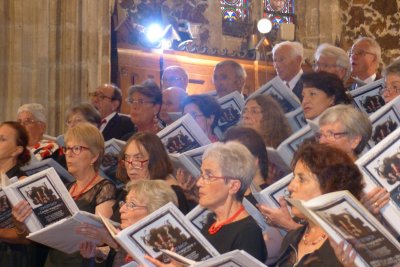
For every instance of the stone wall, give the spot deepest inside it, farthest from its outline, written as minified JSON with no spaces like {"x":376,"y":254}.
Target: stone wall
{"x":378,"y":19}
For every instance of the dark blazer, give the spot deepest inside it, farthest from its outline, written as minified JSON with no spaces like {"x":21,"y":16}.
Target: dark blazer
{"x":355,"y":84}
{"x":118,"y":126}
{"x":298,"y":89}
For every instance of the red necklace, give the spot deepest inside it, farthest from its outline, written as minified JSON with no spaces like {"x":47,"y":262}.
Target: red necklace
{"x":84,"y":189}
{"x":312,"y":243}
{"x":214,"y":228}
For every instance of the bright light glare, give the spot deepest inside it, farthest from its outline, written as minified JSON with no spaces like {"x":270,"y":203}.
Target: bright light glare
{"x":264,"y":25}
{"x":154,"y":33}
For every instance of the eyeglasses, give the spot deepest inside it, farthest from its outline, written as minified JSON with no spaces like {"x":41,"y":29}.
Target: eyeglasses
{"x":330,"y":135}
{"x":195,"y":115}
{"x":251,"y":111}
{"x":139,"y":102}
{"x":172,"y":79}
{"x":134,"y":163}
{"x":390,"y":89}
{"x":73,"y":122}
{"x":76,"y":150}
{"x":360,"y":53}
{"x":130,"y":205}
{"x":27,"y":122}
{"x":100,"y":96}
{"x":320,"y":66}
{"x":208,"y":179}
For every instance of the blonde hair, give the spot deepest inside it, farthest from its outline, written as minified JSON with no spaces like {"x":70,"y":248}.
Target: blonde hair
{"x":91,"y":136}
{"x":152,"y":193}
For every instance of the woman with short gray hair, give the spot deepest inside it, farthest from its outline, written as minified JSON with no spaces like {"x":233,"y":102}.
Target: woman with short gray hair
{"x":346,"y":128}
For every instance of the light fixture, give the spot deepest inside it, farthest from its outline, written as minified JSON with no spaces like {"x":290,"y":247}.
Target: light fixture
{"x":264,"y":25}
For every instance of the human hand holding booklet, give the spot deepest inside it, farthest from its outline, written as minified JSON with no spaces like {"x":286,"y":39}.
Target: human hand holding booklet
{"x":164,"y":229}
{"x":343,"y":217}
{"x":54,"y":213}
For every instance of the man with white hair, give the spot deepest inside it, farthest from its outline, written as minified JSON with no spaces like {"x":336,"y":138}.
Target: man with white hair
{"x":229,"y":76}
{"x":174,"y":76}
{"x":365,"y":56}
{"x":288,"y":57}
{"x":332,"y":59}
{"x":33,"y":117}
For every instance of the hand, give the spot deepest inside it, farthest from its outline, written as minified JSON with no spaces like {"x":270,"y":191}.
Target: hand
{"x":96,"y":234}
{"x":20,"y":213}
{"x":375,"y":199}
{"x":278,"y":217}
{"x":346,"y":255}
{"x":87,"y":249}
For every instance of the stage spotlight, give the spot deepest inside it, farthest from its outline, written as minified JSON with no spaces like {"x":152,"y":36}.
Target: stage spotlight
{"x":154,"y":33}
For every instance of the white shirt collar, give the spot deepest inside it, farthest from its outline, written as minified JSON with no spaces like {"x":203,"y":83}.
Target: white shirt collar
{"x":294,"y":80}
{"x":370,"y":79}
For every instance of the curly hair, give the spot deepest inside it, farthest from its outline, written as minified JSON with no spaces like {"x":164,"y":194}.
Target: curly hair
{"x":333,"y":168}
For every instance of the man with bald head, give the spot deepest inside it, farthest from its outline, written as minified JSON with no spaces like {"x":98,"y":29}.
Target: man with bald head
{"x":288,"y":57}
{"x":365,"y":56}
{"x":172,"y":99}
{"x":107,"y":99}
{"x":229,"y":76}
{"x":174,"y":76}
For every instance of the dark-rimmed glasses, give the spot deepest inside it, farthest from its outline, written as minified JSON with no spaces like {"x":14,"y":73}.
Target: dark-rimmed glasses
{"x":130,"y":205}
{"x":208,"y":179}
{"x":330,"y":135}
{"x":138,"y":102}
{"x":135,"y":163}
{"x":76,"y":150}
{"x":100,"y":96}
{"x":360,"y":53}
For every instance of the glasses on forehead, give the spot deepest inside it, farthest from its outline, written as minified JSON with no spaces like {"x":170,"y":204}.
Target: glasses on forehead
{"x":134,"y":163}
{"x":27,"y":122}
{"x":100,"y":96}
{"x":330,"y":135}
{"x":209,"y":178}
{"x":76,"y":150}
{"x":138,"y":102}
{"x":130,"y":205}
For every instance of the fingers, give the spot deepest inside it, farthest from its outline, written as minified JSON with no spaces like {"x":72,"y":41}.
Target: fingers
{"x":21,"y":211}
{"x":376,"y":199}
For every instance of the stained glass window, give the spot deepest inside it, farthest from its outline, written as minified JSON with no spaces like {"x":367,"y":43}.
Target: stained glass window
{"x":279,"y":11}
{"x":235,"y":16}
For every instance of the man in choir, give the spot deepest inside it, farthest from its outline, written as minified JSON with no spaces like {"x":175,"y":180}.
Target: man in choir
{"x":365,"y":56}
{"x":107,"y":100}
{"x":229,"y":76}
{"x":332,"y":59}
{"x":287,"y":57}
{"x":174,"y":76}
{"x":172,"y":99}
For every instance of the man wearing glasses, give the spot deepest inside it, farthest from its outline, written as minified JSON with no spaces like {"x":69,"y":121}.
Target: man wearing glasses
{"x":107,"y":100}
{"x":365,"y":56}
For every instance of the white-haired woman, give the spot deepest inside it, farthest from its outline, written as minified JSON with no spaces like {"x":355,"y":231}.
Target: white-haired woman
{"x":226,"y":172}
{"x":33,"y":117}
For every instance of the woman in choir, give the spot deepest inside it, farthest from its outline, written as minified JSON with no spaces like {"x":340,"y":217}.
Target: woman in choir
{"x":33,"y":117}
{"x":144,"y":197}
{"x":91,"y":192}
{"x":145,"y":102}
{"x":321,"y":90}
{"x":15,"y":250}
{"x":83,"y":112}
{"x":226,"y":172}
{"x":144,"y":157}
{"x":263,"y":114}
{"x":206,"y":111}
{"x":391,"y":74}
{"x":318,"y":169}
